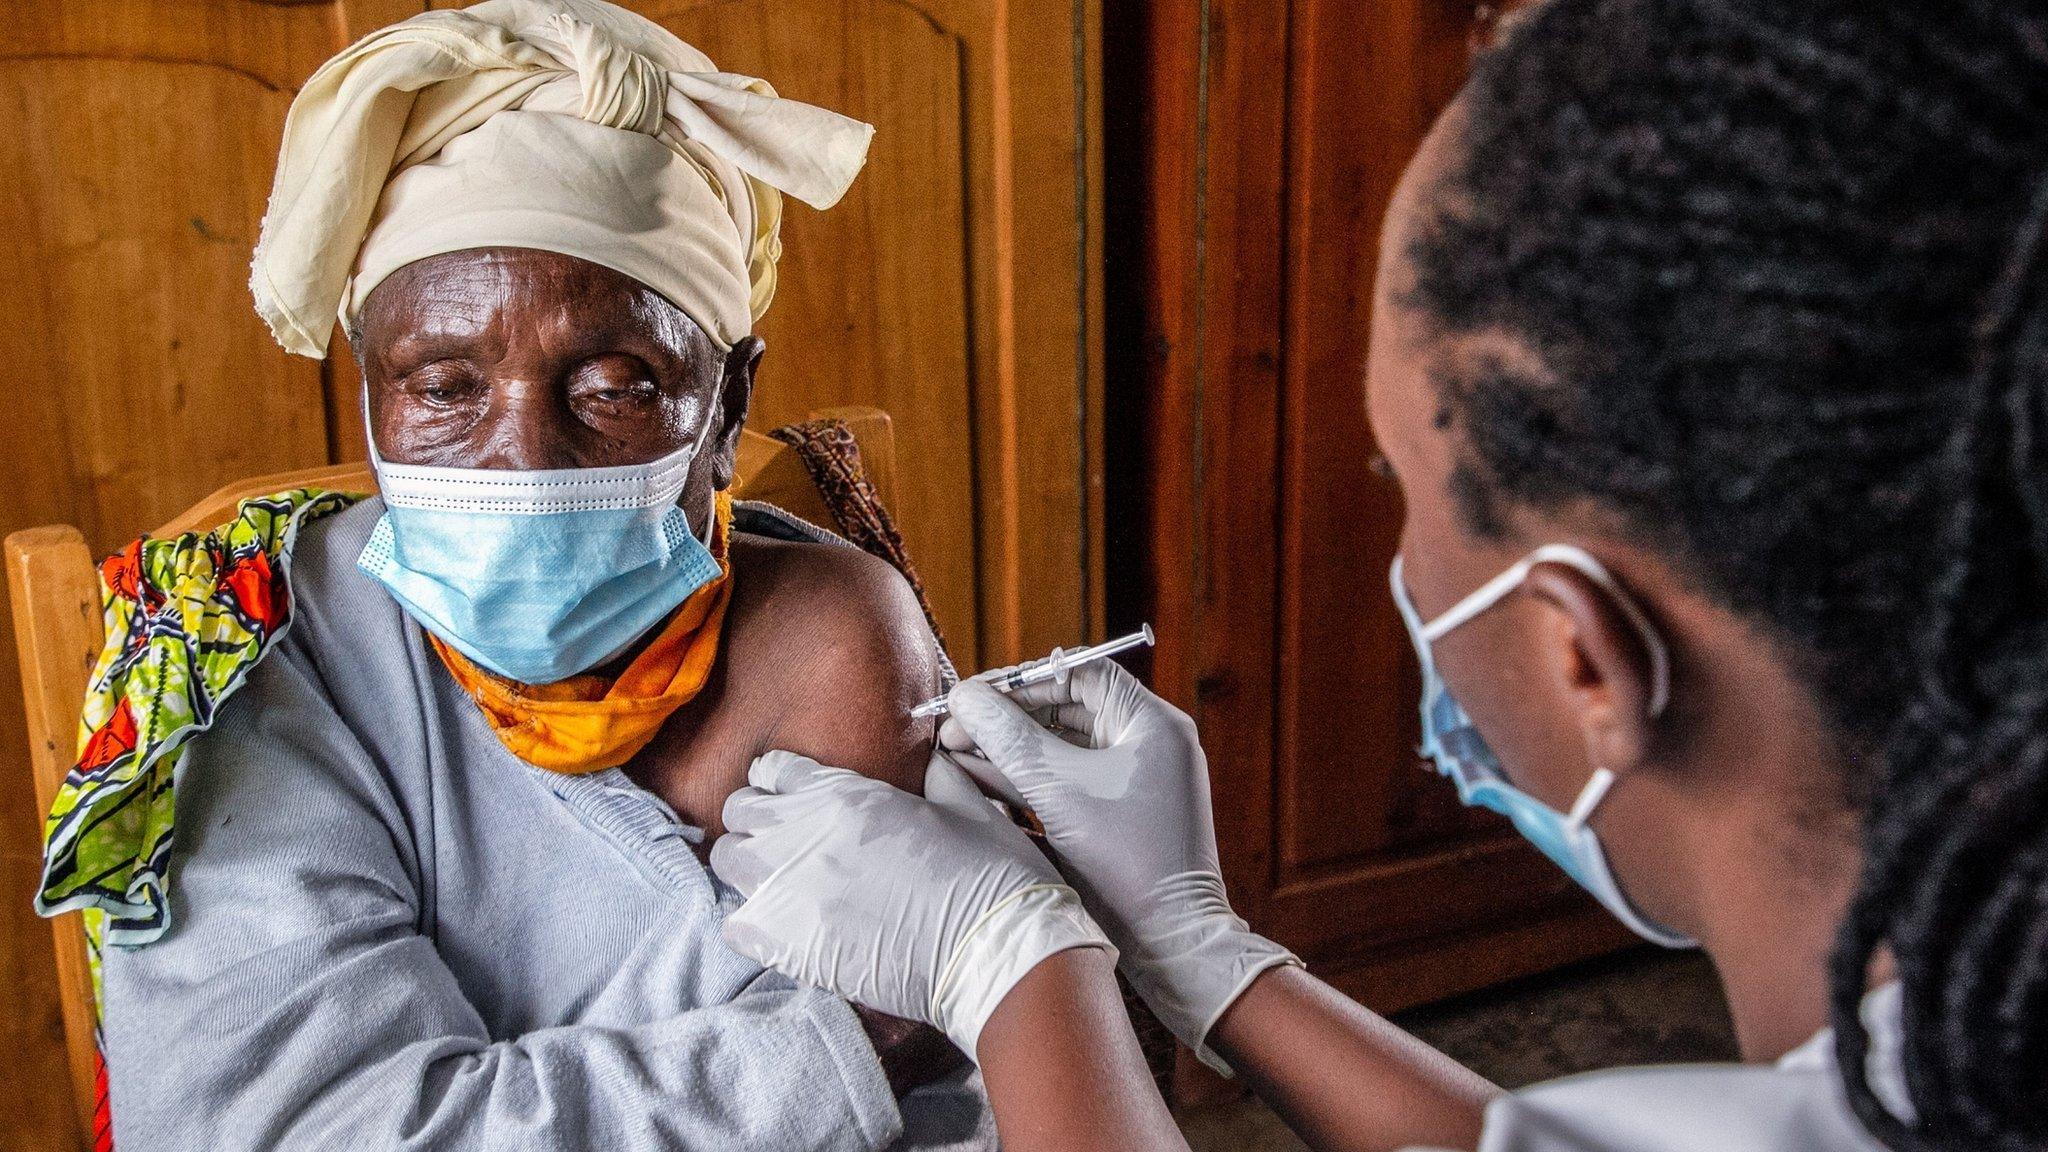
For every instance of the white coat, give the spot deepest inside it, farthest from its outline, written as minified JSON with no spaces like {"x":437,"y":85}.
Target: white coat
{"x":1795,"y":1105}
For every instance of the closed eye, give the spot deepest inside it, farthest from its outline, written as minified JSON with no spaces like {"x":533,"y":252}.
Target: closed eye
{"x":636,"y":390}
{"x":442,"y":382}
{"x":614,"y":379}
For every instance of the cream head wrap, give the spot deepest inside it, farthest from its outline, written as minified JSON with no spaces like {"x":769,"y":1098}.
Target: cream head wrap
{"x":572,"y":126}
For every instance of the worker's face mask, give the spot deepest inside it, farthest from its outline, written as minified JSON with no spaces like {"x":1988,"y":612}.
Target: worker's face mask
{"x":538,"y":575}
{"x":1450,"y":740}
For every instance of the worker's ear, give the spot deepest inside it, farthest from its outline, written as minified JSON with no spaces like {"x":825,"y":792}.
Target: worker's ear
{"x":735,"y":395}
{"x":1600,"y":665}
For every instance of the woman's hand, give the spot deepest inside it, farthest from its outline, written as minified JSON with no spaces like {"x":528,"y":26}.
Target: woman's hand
{"x":939,"y":909}
{"x":1122,"y":789}
{"x":930,"y":908}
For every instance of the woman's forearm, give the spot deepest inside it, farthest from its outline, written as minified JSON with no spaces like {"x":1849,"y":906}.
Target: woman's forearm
{"x":1342,"y":1077}
{"x":1063,"y":1069}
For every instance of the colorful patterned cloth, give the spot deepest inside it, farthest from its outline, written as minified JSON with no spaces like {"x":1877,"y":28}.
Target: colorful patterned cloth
{"x":186,"y":619}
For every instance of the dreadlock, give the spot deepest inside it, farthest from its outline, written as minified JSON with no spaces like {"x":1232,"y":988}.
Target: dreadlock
{"x":1786,"y":268}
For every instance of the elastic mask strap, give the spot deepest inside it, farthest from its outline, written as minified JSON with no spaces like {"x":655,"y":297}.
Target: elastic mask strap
{"x":1481,"y":598}
{"x":1590,"y":797}
{"x":1571,"y":556}
{"x":1397,"y":584}
{"x":711,"y":518}
{"x":370,"y":432}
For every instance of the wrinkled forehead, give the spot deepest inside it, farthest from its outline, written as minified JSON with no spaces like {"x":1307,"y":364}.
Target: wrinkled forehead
{"x":513,"y":294}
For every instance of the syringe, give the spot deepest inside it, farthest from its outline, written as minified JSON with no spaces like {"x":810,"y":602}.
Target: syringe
{"x":1007,"y":680}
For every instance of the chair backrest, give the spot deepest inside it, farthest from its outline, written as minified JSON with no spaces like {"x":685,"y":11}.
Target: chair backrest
{"x":53,"y":587}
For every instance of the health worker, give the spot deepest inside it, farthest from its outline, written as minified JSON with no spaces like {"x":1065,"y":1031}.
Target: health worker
{"x":1710,"y":350}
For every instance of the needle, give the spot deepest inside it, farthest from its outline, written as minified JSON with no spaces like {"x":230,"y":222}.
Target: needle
{"x":1053,"y":667}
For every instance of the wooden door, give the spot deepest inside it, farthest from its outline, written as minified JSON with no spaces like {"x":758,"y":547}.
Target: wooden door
{"x":141,"y":145}
{"x":1254,"y":147}
{"x":956,"y":287}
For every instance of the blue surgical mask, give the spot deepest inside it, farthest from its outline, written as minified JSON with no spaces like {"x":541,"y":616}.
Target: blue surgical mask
{"x":538,"y":575}
{"x":1450,"y":740}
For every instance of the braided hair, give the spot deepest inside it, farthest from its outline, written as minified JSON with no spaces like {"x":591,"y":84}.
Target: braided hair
{"x":1785,"y":267}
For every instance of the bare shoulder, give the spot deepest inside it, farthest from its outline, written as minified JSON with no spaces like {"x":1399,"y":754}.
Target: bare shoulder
{"x":831,"y":643}
{"x":837,"y":607}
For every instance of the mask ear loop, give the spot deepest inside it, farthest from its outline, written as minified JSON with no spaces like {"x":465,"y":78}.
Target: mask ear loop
{"x":370,"y":433}
{"x":1653,"y":642}
{"x":696,"y":454}
{"x":1589,"y":798}
{"x":1571,"y":556}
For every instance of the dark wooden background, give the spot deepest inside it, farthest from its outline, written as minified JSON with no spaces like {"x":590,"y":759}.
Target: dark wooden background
{"x":1251,"y":150}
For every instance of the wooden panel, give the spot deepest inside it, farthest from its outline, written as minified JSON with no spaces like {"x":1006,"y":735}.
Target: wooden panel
{"x":1376,"y":845}
{"x":1367,"y":80}
{"x":153,"y":380}
{"x":1438,"y":967}
{"x":1389,"y":901}
{"x":274,"y":46}
{"x":142,"y":138}
{"x":1252,"y":152}
{"x":1195,"y":450}
{"x":870,"y":303}
{"x":1039,"y":272}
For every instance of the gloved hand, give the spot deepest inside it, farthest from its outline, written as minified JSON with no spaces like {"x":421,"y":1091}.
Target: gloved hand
{"x":1123,"y":792}
{"x":930,"y":908}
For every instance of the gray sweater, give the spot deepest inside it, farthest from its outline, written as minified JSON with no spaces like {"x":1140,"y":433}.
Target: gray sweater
{"x":388,"y":932}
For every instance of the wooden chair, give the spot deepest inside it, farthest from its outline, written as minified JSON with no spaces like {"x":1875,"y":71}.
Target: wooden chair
{"x":53,"y":585}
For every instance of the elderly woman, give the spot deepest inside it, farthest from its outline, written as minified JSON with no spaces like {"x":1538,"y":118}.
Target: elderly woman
{"x":437,"y":871}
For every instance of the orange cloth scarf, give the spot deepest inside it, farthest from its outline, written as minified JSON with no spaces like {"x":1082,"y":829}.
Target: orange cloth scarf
{"x":588,"y":723}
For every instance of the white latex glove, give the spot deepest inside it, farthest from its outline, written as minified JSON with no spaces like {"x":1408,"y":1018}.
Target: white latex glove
{"x":930,"y":908}
{"x":1123,"y":793}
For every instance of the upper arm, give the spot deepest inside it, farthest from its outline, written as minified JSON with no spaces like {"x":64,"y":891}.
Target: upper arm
{"x":863,"y":656}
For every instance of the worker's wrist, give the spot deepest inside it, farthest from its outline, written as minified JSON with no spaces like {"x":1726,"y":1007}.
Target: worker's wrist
{"x":1190,"y":963}
{"x":1005,"y":944}
{"x":1047,"y":997}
